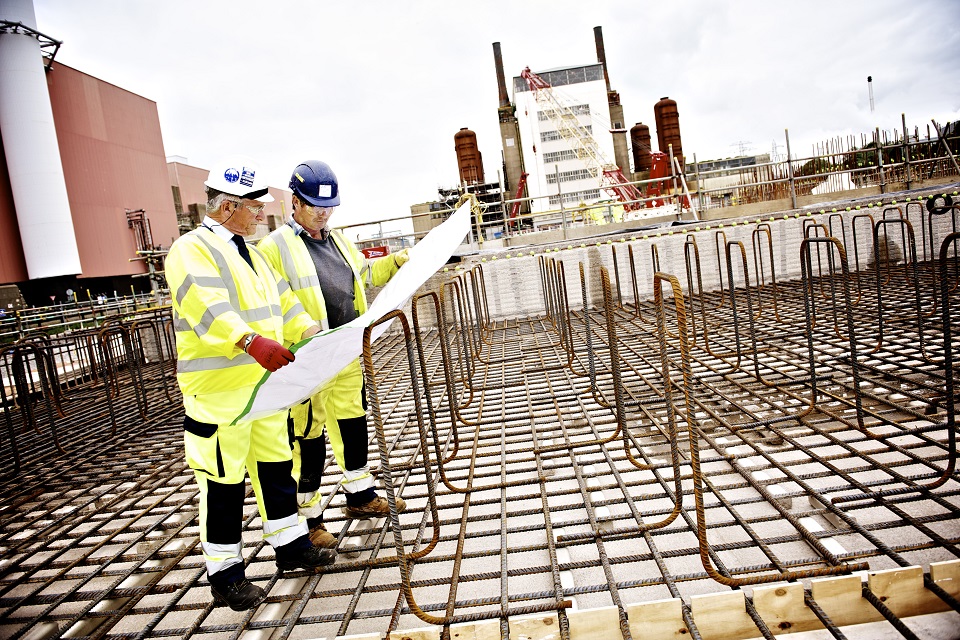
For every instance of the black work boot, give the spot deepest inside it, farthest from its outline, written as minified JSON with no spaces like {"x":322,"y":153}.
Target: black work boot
{"x":301,"y":554}
{"x":239,"y":596}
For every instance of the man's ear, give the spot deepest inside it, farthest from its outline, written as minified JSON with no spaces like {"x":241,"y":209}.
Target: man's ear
{"x":222,"y":212}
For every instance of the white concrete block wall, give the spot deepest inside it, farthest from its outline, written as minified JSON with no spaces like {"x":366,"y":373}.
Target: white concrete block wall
{"x":514,"y":286}
{"x":513,"y":280}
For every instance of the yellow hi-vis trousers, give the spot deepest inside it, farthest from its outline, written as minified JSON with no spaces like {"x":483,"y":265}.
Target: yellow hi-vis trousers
{"x":220,"y":455}
{"x":339,"y":399}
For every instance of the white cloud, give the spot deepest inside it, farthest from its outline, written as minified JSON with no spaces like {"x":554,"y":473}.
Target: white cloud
{"x":379,"y":89}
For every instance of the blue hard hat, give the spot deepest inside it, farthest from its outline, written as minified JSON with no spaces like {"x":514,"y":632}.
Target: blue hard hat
{"x":315,"y":183}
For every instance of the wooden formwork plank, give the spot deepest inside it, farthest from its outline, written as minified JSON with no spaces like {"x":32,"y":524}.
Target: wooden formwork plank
{"x":602,"y":623}
{"x":841,"y":598}
{"x":722,"y":615}
{"x":902,"y":589}
{"x":423,"y":633}
{"x":483,"y":630}
{"x":362,"y":636}
{"x":898,"y":588}
{"x":947,"y":575}
{"x":782,"y":607}
{"x":657,"y":619}
{"x":541,"y":627}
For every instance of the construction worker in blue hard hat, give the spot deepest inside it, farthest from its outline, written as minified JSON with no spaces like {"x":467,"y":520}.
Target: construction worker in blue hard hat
{"x":329,"y":274}
{"x":231,"y":314}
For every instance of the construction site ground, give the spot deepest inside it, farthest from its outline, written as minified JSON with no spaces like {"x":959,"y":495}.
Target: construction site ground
{"x":629,"y":447}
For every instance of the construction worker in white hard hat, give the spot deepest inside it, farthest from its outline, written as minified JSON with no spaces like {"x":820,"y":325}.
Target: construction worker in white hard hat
{"x":328,"y":274}
{"x":231,"y":315}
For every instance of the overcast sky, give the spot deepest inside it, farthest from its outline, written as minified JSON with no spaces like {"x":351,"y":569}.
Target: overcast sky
{"x":378,"y":89}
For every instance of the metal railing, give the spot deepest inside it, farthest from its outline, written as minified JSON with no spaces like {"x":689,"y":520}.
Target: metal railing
{"x":834,"y":166}
{"x":74,"y":316}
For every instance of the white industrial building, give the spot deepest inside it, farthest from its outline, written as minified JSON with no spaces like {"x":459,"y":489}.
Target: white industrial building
{"x":547,"y":153}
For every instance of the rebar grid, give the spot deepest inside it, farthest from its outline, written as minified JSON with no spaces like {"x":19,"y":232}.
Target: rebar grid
{"x":590,"y":458}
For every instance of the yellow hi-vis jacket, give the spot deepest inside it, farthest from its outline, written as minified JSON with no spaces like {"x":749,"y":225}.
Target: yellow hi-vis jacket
{"x":217,"y":299}
{"x":289,"y":255}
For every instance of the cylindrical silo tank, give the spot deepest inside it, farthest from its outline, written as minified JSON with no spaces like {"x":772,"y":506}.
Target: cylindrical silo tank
{"x":469,"y":160}
{"x":668,"y":127}
{"x":640,"y":141}
{"x":32,"y":151}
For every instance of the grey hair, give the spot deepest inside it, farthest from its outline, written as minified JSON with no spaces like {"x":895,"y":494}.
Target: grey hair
{"x":215,"y":197}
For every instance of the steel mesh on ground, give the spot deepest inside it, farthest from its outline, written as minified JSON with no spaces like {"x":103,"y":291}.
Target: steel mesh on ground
{"x":607,"y":452}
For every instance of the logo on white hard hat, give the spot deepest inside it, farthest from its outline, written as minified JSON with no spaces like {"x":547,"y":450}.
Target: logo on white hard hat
{"x":231,"y":175}
{"x":246,"y":179}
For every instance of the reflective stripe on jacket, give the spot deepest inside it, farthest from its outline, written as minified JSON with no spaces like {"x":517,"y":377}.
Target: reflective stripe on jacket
{"x":289,"y":255}
{"x":217,"y":299}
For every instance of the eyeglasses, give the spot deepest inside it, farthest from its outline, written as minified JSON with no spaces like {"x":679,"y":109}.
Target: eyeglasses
{"x":321,"y":210}
{"x":255,"y":209}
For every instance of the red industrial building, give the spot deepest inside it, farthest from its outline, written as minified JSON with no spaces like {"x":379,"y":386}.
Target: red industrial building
{"x":124,"y":196}
{"x":88,"y":203}
{"x":113,"y":163}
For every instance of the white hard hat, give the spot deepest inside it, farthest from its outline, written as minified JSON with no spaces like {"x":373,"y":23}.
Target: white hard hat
{"x":239,"y":176}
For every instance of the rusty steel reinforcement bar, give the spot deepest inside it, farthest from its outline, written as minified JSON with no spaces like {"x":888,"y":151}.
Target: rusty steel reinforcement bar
{"x":698,"y":478}
{"x":949,"y":395}
{"x":763,"y":439}
{"x":403,"y":559}
{"x":46,"y":379}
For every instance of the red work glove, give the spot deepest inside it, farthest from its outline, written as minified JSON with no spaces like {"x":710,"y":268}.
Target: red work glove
{"x":269,"y":353}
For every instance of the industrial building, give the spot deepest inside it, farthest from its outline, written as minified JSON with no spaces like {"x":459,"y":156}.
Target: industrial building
{"x":551,"y":158}
{"x":88,"y":201}
{"x":564,"y":148}
{"x":124,"y":201}
{"x":737,"y":427}
{"x":115,"y":197}
{"x":559,"y":142}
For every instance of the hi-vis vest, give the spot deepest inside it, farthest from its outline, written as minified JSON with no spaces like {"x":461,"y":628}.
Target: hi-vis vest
{"x":289,"y":255}
{"x":217,"y":299}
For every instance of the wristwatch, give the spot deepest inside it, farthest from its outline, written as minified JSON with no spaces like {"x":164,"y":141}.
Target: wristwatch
{"x":248,"y":341}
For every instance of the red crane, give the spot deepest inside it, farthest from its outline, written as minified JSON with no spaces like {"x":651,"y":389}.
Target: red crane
{"x":569,"y":128}
{"x":515,"y":209}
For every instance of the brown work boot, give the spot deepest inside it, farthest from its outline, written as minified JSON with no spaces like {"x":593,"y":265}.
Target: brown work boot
{"x":322,"y":538}
{"x":376,"y":508}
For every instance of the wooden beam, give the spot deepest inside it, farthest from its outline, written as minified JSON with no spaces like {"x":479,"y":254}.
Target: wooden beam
{"x":482,"y":630}
{"x":902,"y":590}
{"x":842,"y":599}
{"x":660,"y":619}
{"x":782,"y":607}
{"x":602,"y":623}
{"x":423,"y":633}
{"x":541,"y":627}
{"x":723,"y":615}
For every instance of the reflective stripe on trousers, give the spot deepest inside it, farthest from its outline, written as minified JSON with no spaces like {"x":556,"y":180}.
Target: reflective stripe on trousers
{"x":356,"y":480}
{"x":339,"y":399}
{"x":220,"y":456}
{"x":309,"y":504}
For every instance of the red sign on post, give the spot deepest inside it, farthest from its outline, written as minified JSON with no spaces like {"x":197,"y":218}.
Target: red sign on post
{"x":375,"y":252}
